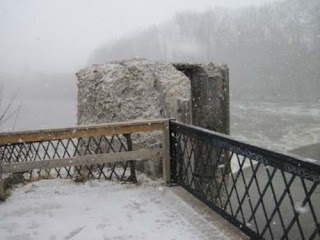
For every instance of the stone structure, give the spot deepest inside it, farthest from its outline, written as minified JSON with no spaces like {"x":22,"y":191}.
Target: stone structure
{"x":129,"y":90}
{"x":210,"y":95}
{"x":210,"y":110}
{"x":142,"y":89}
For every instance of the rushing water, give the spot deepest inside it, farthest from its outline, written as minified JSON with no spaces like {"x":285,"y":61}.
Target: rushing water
{"x":276,"y":126}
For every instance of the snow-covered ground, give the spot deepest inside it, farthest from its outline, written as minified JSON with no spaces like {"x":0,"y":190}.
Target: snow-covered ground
{"x":62,"y":209}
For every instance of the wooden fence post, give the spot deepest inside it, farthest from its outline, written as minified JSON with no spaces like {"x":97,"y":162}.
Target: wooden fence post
{"x":132,"y":164}
{"x":2,"y":191}
{"x":166,"y":153}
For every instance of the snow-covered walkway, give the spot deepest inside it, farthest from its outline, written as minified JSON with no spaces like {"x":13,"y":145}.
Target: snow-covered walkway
{"x":62,"y":209}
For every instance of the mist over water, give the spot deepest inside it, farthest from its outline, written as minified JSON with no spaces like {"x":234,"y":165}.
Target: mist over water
{"x":278,"y":126}
{"x":273,"y":125}
{"x":46,"y":101}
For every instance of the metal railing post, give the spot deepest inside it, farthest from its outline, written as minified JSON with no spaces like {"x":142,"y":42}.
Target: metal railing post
{"x":173,"y":155}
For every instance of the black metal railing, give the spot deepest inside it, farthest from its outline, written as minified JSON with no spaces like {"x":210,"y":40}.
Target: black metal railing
{"x":267,"y":195}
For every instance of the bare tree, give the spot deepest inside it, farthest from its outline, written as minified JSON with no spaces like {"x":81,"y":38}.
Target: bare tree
{"x":8,"y":110}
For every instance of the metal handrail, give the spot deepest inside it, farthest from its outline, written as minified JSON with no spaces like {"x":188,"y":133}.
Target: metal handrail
{"x":271,"y":195}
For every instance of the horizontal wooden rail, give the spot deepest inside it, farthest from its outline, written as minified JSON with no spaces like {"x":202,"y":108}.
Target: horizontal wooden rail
{"x":139,"y":155}
{"x":83,"y":131}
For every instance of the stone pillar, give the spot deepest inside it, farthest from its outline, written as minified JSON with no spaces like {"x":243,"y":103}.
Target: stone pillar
{"x":210,"y":110}
{"x":184,"y":111}
{"x":209,"y":94}
{"x":134,"y":89}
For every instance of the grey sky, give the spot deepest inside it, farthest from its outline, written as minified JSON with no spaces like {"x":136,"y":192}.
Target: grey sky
{"x":59,"y":35}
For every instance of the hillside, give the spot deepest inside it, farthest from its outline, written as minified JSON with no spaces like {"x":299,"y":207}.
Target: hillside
{"x":273,"y":51}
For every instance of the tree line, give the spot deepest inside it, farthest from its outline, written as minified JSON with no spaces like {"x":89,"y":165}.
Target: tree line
{"x":273,"y":51}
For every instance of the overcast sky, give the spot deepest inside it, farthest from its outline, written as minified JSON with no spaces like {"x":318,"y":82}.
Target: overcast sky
{"x":59,"y":35}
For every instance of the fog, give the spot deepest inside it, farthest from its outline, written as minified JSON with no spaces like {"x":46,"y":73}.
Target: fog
{"x":273,"y":51}
{"x":59,"y":36}
{"x":272,"y":48}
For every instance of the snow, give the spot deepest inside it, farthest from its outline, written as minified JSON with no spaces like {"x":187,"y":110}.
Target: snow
{"x":311,"y":160}
{"x":62,"y":209}
{"x":235,"y":165}
{"x":300,"y":208}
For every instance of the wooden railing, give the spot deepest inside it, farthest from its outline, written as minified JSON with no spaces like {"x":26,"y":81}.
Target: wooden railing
{"x":81,"y":147}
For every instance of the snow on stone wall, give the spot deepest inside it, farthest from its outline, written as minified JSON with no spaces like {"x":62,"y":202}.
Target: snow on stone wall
{"x":129,"y":90}
{"x":133,"y":89}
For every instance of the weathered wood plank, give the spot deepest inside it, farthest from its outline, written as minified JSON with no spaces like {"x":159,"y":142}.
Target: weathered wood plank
{"x":82,"y":131}
{"x":138,"y":155}
{"x":166,"y":153}
{"x":2,"y":191}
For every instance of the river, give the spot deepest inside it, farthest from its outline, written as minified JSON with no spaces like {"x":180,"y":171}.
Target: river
{"x":278,"y":126}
